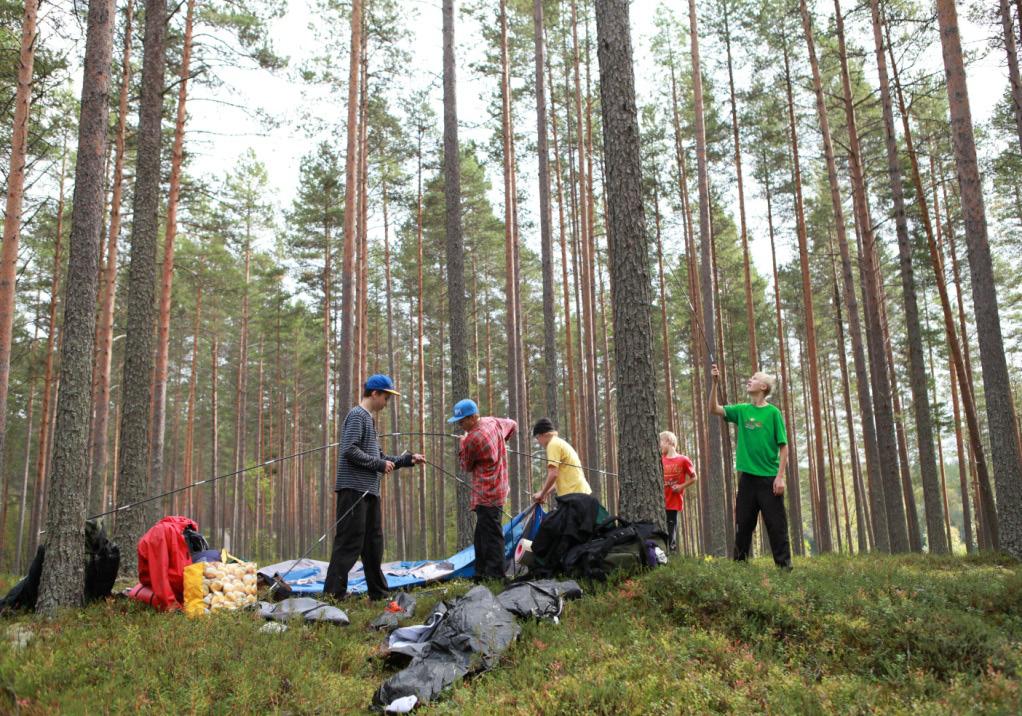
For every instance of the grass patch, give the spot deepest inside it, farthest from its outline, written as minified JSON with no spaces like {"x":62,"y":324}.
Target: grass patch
{"x":920,"y":635}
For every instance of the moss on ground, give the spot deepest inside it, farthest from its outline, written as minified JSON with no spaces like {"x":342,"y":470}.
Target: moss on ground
{"x":848,"y":635}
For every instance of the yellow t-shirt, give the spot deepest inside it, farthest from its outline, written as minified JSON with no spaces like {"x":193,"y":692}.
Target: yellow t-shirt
{"x":570,"y":477}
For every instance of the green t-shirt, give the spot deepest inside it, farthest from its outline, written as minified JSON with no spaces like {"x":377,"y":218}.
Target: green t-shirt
{"x":760,"y":435}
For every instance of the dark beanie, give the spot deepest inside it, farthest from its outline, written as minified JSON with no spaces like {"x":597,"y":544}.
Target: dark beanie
{"x":543,"y":425}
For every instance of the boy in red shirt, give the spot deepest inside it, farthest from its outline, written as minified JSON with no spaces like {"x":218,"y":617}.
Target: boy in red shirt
{"x":678,"y":475}
{"x":483,"y":454}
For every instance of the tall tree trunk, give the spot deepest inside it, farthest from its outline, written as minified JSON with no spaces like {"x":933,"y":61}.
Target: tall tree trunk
{"x":63,"y":578}
{"x":345,"y":372}
{"x":108,"y":291}
{"x":455,"y":247}
{"x":510,"y":284}
{"x":12,"y":211}
{"x":163,"y":332}
{"x":45,"y":424}
{"x":1010,"y":48}
{"x":324,"y":455}
{"x":588,"y":346}
{"x":794,"y":491}
{"x":572,"y":415}
{"x":546,"y":239}
{"x":420,"y":385}
{"x":750,"y":314}
{"x":241,"y":401}
{"x":189,"y":468}
{"x":399,"y":523}
{"x":882,"y":394}
{"x":878,"y":461}
{"x":861,"y":520}
{"x":136,"y":385}
{"x":664,"y":337}
{"x":716,"y":518}
{"x":215,"y":523}
{"x":1001,"y":422}
{"x":817,"y":479}
{"x":641,"y":493}
{"x":959,"y":364}
{"x":917,"y":367}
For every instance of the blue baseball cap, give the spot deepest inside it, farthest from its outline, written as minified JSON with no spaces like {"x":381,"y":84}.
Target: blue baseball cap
{"x":463,"y":409}
{"x":381,"y":382}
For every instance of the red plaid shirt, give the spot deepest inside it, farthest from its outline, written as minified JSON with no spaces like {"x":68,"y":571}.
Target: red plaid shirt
{"x":484,"y":454}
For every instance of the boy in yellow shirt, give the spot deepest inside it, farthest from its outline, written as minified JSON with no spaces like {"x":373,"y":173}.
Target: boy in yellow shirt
{"x":564,"y":469}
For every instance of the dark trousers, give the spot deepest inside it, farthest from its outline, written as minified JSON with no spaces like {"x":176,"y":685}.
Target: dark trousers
{"x":672,"y":528}
{"x":755,"y":495}
{"x":489,"y":543}
{"x":358,"y":534}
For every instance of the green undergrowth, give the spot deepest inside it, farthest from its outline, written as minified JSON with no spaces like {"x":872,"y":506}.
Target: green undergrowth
{"x":920,"y":635}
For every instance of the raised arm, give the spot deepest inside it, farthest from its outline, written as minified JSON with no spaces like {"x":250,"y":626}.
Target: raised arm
{"x":715,"y":407}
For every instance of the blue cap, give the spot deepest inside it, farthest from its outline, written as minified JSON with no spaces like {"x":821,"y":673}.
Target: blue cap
{"x":381,"y":382}
{"x":463,"y":409}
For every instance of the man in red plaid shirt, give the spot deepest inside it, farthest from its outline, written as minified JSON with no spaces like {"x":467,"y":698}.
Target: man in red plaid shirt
{"x":483,"y":454}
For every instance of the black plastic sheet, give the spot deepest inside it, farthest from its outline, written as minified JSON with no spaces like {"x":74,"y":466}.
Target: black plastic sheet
{"x":309,"y":609}
{"x":540,"y":599}
{"x":401,"y":607}
{"x":464,"y":636}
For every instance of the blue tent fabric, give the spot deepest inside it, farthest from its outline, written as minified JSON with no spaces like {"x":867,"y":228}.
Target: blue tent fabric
{"x":308,"y":575}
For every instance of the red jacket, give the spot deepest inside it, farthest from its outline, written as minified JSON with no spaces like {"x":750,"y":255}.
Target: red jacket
{"x":162,"y":558}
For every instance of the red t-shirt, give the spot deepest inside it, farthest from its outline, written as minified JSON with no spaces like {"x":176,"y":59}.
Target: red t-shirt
{"x":676,"y":471}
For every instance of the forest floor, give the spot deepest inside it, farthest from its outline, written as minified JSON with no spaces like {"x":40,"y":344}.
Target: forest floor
{"x":913,"y":634}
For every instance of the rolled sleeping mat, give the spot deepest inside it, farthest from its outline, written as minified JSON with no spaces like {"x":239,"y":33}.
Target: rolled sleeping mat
{"x":523,"y":553}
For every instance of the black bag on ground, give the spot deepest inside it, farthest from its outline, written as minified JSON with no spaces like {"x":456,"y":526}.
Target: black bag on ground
{"x":574,"y":522}
{"x":620,"y":545}
{"x":102,"y":559}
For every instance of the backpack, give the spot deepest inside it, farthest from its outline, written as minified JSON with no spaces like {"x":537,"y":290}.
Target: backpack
{"x":619,"y":545}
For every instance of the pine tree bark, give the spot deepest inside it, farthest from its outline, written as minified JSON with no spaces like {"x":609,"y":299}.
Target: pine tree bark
{"x":108,"y":290}
{"x":63,"y":578}
{"x":45,"y":423}
{"x":959,"y":364}
{"x":545,"y":218}
{"x":917,"y":368}
{"x":159,"y":410}
{"x":716,"y":519}
{"x":876,"y":465}
{"x":1010,"y":47}
{"x":882,"y":394}
{"x":750,"y":314}
{"x":641,"y":489}
{"x":817,"y":478}
{"x":455,"y":245}
{"x":345,"y":365}
{"x":1001,"y":421}
{"x":792,"y":478}
{"x":136,"y":385}
{"x":664,"y":337}
{"x":12,"y":211}
{"x":571,"y":416}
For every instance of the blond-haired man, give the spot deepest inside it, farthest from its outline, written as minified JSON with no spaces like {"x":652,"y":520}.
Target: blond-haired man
{"x":761,"y":456}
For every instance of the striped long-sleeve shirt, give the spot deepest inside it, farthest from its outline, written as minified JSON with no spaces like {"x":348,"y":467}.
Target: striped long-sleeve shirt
{"x":361,"y":460}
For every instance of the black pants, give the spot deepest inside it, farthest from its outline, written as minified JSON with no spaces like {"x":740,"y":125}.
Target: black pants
{"x":358,"y":534}
{"x":672,"y":528}
{"x":489,"y":543}
{"x":755,"y":495}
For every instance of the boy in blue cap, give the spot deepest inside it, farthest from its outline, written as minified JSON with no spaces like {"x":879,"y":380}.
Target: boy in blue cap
{"x":483,"y":454}
{"x":359,"y":465}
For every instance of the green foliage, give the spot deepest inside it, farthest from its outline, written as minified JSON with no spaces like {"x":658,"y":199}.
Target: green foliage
{"x":837,"y":635}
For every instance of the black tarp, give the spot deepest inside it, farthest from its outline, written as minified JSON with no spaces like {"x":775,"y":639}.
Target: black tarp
{"x":541,"y":599}
{"x":400,"y":607}
{"x":102,"y":559}
{"x":309,"y":609}
{"x":463,"y":636}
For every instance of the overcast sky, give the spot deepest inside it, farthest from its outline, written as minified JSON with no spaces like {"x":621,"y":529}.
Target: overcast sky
{"x":219,"y":135}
